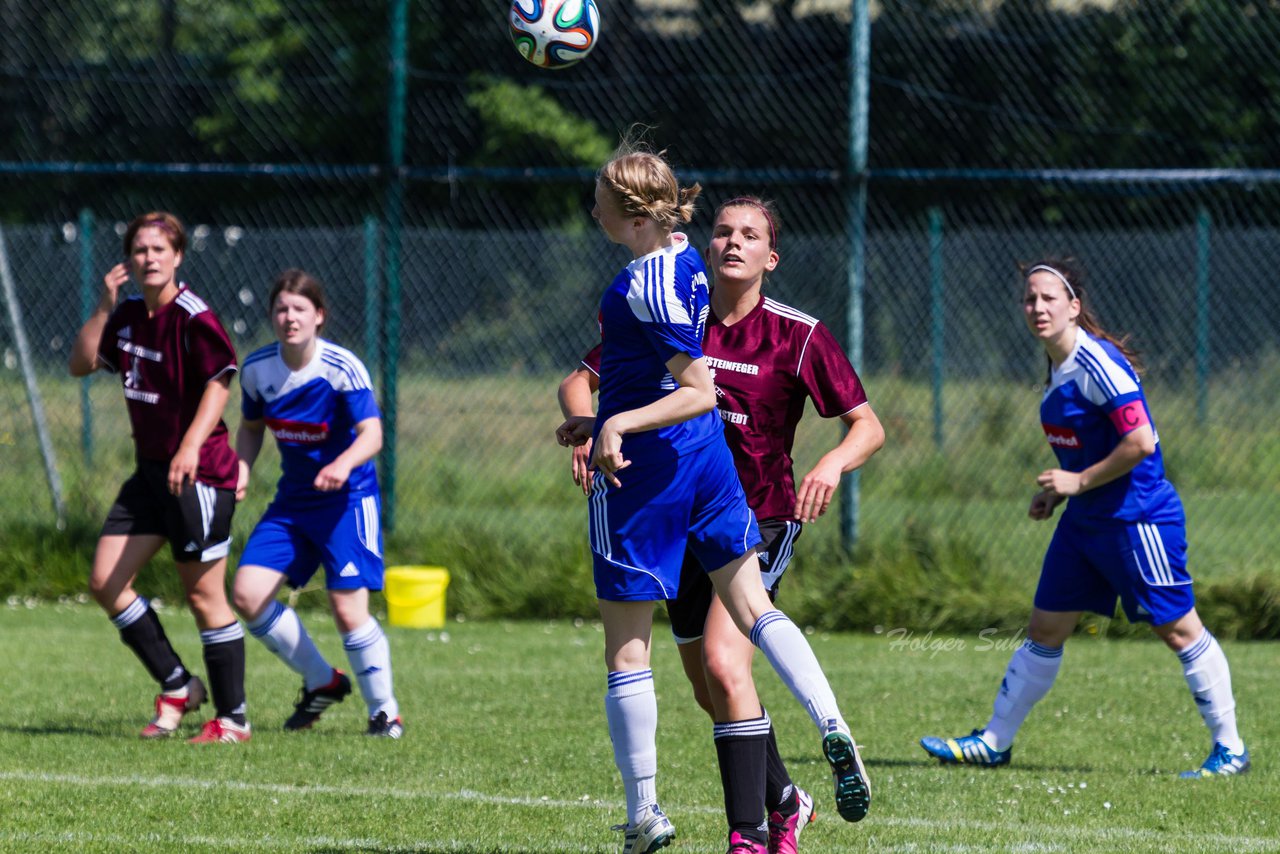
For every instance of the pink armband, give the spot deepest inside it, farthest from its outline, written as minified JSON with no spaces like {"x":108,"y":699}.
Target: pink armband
{"x":1129,"y":417}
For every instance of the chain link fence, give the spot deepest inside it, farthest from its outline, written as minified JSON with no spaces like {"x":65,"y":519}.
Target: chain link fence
{"x":451,"y":227}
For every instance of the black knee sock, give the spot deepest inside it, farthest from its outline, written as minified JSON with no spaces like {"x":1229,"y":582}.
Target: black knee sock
{"x":741,"y":747}
{"x":141,"y":631}
{"x":224,"y":658}
{"x":779,"y":793}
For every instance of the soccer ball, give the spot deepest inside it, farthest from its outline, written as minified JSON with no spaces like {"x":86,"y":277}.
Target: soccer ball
{"x":554,"y":33}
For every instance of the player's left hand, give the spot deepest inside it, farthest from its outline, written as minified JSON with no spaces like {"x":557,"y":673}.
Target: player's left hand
{"x":816,"y":491}
{"x":332,"y":477}
{"x":1059,"y":482}
{"x":1043,"y":504}
{"x":183,"y":468}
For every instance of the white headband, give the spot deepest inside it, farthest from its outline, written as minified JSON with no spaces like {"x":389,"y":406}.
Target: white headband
{"x":1061,"y":278}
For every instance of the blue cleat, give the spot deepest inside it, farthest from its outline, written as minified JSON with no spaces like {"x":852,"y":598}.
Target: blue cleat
{"x":965,"y":750}
{"x":1221,"y":763}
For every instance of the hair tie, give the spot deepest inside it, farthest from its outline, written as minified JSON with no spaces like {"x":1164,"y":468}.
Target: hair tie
{"x":1061,"y":278}
{"x":743,"y":200}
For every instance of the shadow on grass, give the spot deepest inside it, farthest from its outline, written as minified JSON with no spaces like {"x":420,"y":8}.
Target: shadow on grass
{"x":925,"y":761}
{"x":98,"y":731}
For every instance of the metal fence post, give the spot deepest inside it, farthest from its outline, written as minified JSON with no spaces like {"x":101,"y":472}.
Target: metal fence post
{"x":371,"y":293}
{"x":86,"y":308}
{"x":394,"y":211}
{"x":938,"y":325}
{"x":856,"y":206}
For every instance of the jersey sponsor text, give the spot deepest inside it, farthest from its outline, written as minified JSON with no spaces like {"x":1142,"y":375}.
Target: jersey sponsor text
{"x":302,"y":432}
{"x":1063,"y":437}
{"x":739,"y":367}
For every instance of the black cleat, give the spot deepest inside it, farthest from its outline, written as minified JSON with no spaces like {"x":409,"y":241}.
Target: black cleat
{"x":311,"y":704}
{"x":381,"y":727}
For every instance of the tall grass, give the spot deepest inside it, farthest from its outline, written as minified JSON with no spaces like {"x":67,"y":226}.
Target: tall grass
{"x":482,"y":489}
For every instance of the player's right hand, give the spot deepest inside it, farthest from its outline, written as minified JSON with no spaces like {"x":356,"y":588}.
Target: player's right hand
{"x":575,"y":431}
{"x":115,"y":279}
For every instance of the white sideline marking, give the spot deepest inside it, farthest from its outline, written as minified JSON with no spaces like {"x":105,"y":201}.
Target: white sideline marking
{"x":1207,"y":841}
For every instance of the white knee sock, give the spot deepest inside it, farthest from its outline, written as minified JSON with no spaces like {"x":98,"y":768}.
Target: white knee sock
{"x":793,"y":659}
{"x":632,"y":710}
{"x":280,"y":631}
{"x":370,"y":657}
{"x":1030,"y":675}
{"x":1205,"y":667}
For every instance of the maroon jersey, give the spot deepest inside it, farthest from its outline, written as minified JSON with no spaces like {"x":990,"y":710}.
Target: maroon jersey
{"x":765,"y":365}
{"x":165,"y":362}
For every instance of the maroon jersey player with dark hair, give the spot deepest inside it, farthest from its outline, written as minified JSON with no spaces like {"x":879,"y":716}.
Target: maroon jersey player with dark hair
{"x":175,"y":362}
{"x":768,"y":359}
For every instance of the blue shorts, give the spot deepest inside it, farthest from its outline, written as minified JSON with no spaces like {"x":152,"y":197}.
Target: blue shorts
{"x":344,"y":535}
{"x":1088,"y":565}
{"x":639,"y":532}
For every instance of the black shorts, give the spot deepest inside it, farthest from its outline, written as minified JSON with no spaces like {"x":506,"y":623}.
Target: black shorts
{"x":196,"y":523}
{"x":688,"y":611}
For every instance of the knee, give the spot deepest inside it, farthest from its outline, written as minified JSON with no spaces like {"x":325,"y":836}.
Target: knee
{"x":101,"y":591}
{"x":248,"y":604}
{"x":727,"y":676}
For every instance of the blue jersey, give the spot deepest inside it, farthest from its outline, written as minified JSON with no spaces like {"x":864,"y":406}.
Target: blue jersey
{"x":1095,"y":398}
{"x":312,"y":413}
{"x":655,"y":308}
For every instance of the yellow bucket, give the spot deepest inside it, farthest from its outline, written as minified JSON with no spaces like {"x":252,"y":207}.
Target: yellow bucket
{"x":415,"y":596}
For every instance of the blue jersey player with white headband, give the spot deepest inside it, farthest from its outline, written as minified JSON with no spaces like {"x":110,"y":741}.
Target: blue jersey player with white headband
{"x":1123,"y":533}
{"x":665,"y":481}
{"x":316,"y":399}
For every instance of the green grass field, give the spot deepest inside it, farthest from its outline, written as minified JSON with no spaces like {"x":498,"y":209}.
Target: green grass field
{"x":506,"y":749}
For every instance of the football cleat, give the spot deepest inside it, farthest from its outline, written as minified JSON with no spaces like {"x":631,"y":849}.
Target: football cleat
{"x":221,"y":730}
{"x":171,"y":706}
{"x":382,"y":727}
{"x":853,"y":789}
{"x":784,"y":830}
{"x":311,"y":704}
{"x":966,"y":750}
{"x":653,"y":832}
{"x":739,"y":844}
{"x":1221,"y":763}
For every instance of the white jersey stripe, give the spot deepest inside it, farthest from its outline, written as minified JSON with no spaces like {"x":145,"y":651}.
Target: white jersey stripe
{"x":784,"y":310}
{"x":192,"y":303}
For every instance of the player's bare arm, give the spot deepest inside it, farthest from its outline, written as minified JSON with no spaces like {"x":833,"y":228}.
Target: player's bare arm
{"x":186,"y":462}
{"x":865,"y":436}
{"x":84,"y":352}
{"x":695,"y":396}
{"x":249,"y":437}
{"x":575,"y":404}
{"x":365,"y":447}
{"x":1134,"y":447}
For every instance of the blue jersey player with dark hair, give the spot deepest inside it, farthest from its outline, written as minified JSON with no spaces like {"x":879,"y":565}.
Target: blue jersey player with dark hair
{"x":665,"y":481}
{"x":1123,"y":532}
{"x":316,"y":399}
